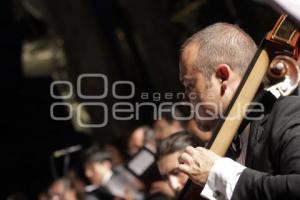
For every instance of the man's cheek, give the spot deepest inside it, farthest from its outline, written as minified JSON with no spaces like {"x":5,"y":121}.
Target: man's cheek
{"x":193,"y":96}
{"x":199,"y":111}
{"x":195,"y":101}
{"x":183,"y":178}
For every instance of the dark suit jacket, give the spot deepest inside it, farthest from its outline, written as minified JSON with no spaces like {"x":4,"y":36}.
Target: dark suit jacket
{"x":100,"y":193}
{"x":273,"y":157}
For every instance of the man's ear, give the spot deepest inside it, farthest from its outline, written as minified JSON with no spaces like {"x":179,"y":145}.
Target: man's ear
{"x":223,"y":73}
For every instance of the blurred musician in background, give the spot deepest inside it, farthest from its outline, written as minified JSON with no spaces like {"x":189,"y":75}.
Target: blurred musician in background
{"x":63,"y":189}
{"x":98,"y":170}
{"x":168,"y":153}
{"x":168,"y":124}
{"x":140,"y":137}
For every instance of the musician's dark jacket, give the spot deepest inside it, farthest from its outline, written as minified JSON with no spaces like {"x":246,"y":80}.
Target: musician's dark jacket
{"x":100,"y":193}
{"x":273,"y":155}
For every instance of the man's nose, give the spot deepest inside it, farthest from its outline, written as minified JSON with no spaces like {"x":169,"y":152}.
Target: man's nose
{"x":186,"y":95}
{"x":174,"y":183}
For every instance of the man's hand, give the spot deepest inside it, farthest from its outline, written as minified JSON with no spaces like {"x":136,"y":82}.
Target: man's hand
{"x":197,"y":163}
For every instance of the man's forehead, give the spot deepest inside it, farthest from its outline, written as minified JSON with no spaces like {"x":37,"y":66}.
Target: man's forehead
{"x":169,"y":162}
{"x":187,"y":59}
{"x":190,"y":52}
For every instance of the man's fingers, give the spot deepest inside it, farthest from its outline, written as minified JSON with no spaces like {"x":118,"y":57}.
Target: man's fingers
{"x":200,"y":149}
{"x":190,"y":150}
{"x":185,"y":158}
{"x":184,"y":168}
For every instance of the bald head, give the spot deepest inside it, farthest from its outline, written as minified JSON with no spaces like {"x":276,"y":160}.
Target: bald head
{"x":216,"y":44}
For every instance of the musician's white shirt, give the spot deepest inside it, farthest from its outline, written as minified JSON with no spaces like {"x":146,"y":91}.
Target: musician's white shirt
{"x":225,"y":173}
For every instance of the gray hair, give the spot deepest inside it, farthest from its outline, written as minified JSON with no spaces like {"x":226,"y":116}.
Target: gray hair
{"x":221,"y":43}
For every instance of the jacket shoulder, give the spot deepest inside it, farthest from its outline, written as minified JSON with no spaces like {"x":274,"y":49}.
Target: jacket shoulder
{"x":288,"y":105}
{"x":285,"y":112}
{"x":285,"y":116}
